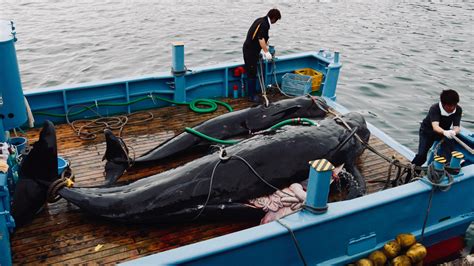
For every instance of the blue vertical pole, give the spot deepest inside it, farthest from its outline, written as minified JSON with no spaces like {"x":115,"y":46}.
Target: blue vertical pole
{"x":456,"y":158}
{"x":318,"y":186}
{"x":12,"y":104}
{"x":332,"y":75}
{"x":439,"y":162}
{"x":179,"y":71}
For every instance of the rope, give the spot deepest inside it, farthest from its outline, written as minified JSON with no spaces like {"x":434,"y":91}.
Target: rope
{"x":293,"y":236}
{"x":394,"y":162}
{"x":262,"y":84}
{"x":66,"y":180}
{"x":434,"y":177}
{"x":426,"y":215}
{"x":88,"y":128}
{"x":193,"y":105}
{"x":276,"y":82}
{"x":223,"y":157}
{"x":209,"y":192}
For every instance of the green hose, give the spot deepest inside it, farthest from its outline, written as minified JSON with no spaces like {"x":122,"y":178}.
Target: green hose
{"x":204,"y":136}
{"x":193,"y":105}
{"x":295,"y":121}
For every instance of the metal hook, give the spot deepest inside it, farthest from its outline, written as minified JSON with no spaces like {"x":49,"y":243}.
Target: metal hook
{"x":223,"y":154}
{"x":152,"y":98}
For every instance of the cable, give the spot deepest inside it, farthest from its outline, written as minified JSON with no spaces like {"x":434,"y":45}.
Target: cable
{"x":434,"y":177}
{"x":427,"y":214}
{"x":293,"y":236}
{"x":256,"y":174}
{"x":209,"y":192}
{"x":223,"y":157}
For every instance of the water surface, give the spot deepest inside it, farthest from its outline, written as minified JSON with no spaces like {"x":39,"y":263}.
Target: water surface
{"x":397,"y":56}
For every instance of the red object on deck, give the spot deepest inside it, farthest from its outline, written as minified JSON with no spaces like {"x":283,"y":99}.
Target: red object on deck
{"x":239,"y":71}
{"x":235,"y":87}
{"x":444,"y":249}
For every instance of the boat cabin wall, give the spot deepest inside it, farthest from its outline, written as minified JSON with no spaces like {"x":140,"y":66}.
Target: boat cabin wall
{"x":132,"y":94}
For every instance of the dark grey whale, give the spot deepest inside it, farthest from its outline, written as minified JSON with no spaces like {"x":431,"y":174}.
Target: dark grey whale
{"x":188,"y":192}
{"x":225,"y":126}
{"x":280,"y":158}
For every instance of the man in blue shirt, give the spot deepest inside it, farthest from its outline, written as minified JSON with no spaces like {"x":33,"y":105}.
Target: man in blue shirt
{"x":443,"y":120}
{"x":257,"y":40}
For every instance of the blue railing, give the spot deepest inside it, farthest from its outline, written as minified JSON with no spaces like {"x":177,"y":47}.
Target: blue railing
{"x":208,"y":82}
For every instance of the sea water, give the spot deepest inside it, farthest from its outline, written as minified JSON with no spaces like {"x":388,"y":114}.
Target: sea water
{"x":397,"y":55}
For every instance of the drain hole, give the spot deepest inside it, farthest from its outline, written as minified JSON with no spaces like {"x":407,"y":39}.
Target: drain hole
{"x":444,"y":219}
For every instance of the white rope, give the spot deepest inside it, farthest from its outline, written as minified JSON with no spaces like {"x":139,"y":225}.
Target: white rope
{"x":31,"y":119}
{"x":262,"y":84}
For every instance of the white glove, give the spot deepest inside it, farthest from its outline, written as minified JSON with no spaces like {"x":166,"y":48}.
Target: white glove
{"x":449,"y":134}
{"x":267,"y":56}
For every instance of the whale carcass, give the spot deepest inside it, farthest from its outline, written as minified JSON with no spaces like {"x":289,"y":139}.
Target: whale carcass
{"x":212,"y":186}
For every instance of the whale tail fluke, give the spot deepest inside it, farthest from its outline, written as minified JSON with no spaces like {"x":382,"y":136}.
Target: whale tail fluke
{"x":117,"y":157}
{"x":38,"y":170}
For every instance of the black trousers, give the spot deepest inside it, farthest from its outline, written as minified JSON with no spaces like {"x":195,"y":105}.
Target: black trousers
{"x":251,"y":62}
{"x":425,"y":143}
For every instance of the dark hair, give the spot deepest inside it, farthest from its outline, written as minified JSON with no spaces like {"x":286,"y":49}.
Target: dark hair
{"x":449,"y":97}
{"x":274,"y":14}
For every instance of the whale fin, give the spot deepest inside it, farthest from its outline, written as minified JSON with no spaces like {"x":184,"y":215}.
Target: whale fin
{"x":116,"y":154}
{"x":37,"y":171}
{"x":287,"y":111}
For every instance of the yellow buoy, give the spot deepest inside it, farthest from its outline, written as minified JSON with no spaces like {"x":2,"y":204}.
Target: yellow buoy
{"x":406,"y":240}
{"x":402,"y":260}
{"x":364,"y":262}
{"x":378,"y":258}
{"x":417,"y":253}
{"x":391,"y":249}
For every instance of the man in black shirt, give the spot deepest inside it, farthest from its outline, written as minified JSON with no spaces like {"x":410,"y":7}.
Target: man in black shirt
{"x":257,"y":39}
{"x":437,"y":124}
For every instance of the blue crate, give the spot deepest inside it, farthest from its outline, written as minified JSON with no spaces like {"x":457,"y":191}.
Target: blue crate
{"x":296,"y":85}
{"x":6,"y":226}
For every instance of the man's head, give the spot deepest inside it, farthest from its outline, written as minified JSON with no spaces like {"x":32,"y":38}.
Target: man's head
{"x":274,"y":15}
{"x":449,"y":100}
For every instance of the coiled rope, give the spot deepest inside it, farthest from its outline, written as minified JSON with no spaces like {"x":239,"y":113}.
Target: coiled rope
{"x":87,"y":129}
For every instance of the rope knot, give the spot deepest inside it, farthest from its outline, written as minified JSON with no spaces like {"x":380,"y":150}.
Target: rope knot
{"x":66,"y":180}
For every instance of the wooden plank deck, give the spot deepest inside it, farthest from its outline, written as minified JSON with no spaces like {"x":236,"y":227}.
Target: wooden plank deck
{"x":62,"y":234}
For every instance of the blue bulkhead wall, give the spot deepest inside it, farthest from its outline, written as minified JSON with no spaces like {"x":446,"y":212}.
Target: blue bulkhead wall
{"x":202,"y":82}
{"x":350,"y":230}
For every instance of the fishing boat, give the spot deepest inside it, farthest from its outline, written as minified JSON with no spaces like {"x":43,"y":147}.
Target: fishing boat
{"x":341,"y":232}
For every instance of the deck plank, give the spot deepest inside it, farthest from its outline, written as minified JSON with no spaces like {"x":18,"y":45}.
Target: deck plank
{"x":62,"y":234}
